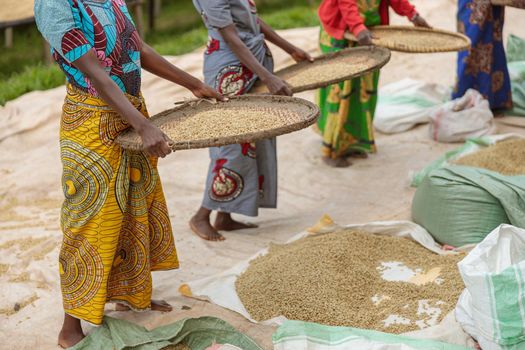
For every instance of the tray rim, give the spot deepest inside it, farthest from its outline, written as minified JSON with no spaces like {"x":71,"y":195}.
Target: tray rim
{"x":510,"y":3}
{"x":242,"y":138}
{"x":415,"y":48}
{"x":347,"y":51}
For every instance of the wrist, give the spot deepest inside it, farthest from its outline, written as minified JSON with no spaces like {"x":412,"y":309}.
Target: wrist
{"x":265,"y":76}
{"x":290,"y":48}
{"x":413,"y":17}
{"x":359,"y":29}
{"x":194,"y":84}
{"x":141,"y":126}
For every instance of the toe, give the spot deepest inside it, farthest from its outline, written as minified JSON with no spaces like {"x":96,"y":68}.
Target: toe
{"x":218,"y":237}
{"x":161,"y":305}
{"x":121,"y":307}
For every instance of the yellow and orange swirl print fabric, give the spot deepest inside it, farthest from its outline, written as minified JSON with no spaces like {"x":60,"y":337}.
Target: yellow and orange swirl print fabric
{"x":114,"y":218}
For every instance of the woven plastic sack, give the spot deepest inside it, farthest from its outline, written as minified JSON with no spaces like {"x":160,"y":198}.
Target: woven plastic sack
{"x":460,"y":205}
{"x":492,"y":306}
{"x":404,"y":104}
{"x":517,"y":83}
{"x":293,"y":335}
{"x":516,"y":65}
{"x":515,"y":49}
{"x":470,"y":146}
{"x":463,"y":118}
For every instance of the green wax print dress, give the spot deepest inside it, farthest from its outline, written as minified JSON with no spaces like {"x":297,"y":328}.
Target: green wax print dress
{"x":347,"y":108}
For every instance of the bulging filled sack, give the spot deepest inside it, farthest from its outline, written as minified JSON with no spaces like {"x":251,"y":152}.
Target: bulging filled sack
{"x":492,"y":308}
{"x":460,"y":205}
{"x":406,"y":103}
{"x":462,"y":118}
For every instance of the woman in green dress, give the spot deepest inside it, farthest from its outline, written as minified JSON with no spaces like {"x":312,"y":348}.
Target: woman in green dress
{"x":347,"y":108}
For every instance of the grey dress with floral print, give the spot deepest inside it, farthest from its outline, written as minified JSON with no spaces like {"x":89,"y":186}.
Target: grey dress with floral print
{"x":241,"y":178}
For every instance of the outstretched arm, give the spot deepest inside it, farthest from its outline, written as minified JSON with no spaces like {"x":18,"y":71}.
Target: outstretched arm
{"x":297,"y":54}
{"x":352,"y":17}
{"x":275,"y":85}
{"x":404,"y":8}
{"x":419,"y":21}
{"x":355,"y":21}
{"x":155,"y":141}
{"x":158,"y":65}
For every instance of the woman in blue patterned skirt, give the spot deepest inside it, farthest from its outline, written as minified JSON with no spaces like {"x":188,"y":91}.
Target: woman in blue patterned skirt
{"x":484,"y":66}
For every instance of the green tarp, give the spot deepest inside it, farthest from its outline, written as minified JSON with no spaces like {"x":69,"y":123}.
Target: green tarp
{"x":295,"y":335}
{"x":197,"y":333}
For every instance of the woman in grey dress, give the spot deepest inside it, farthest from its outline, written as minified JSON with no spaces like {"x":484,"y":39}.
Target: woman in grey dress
{"x":241,"y":178}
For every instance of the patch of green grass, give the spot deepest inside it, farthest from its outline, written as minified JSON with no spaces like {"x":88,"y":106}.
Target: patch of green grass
{"x":176,"y":17}
{"x":179,"y":30}
{"x":180,"y":43}
{"x":26,"y":51}
{"x":35,"y":77}
{"x":167,"y":43}
{"x":21,"y":67}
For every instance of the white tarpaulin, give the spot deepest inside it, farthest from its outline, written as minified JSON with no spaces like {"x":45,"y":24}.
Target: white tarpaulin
{"x":220,"y":288}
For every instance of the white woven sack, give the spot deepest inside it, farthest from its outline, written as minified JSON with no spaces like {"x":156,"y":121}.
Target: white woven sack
{"x":461,"y":119}
{"x":492,"y":307}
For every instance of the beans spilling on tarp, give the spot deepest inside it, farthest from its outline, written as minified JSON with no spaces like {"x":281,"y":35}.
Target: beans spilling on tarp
{"x":336,"y":279}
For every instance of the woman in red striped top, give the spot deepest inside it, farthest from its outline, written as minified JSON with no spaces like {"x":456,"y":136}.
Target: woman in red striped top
{"x":347,"y":109}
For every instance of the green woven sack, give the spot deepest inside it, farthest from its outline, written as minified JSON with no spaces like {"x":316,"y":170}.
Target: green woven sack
{"x":515,"y":49}
{"x":298,"y":335}
{"x":461,"y":205}
{"x":516,"y":65}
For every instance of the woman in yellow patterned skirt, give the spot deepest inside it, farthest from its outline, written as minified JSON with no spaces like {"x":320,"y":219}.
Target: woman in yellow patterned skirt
{"x":114,"y":218}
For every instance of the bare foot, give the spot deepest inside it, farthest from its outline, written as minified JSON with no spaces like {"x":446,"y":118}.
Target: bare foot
{"x":353,"y":153}
{"x":337,"y":162}
{"x":156,"y":305}
{"x":225,"y":222}
{"x":71,"y":332}
{"x":161,"y":305}
{"x":202,"y":228}
{"x":68,"y":339}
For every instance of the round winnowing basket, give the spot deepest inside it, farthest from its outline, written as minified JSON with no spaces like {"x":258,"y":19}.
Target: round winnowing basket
{"x":416,"y":39}
{"x":240,"y":119}
{"x":512,"y":3}
{"x":330,"y":69}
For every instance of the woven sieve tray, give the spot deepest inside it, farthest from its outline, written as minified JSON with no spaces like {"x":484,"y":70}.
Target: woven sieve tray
{"x":416,"y":39}
{"x":512,"y":3}
{"x":221,"y":123}
{"x":349,"y":63}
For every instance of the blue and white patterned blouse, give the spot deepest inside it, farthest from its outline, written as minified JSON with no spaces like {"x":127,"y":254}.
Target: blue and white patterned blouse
{"x":74,"y":27}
